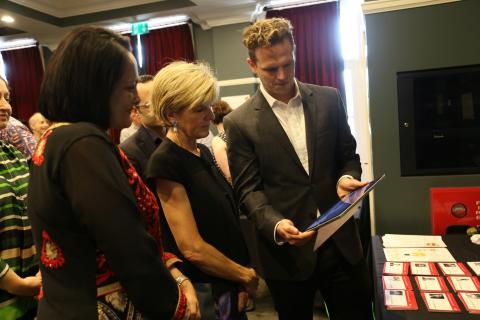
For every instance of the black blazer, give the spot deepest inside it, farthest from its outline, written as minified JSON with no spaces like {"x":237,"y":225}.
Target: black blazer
{"x":138,"y":148}
{"x":271,"y":184}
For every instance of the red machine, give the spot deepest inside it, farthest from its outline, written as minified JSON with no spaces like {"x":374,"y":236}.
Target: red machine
{"x":454,"y":208}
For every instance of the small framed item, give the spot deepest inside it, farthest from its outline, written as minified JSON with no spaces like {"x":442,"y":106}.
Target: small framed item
{"x":454,"y":269}
{"x":431,"y":283}
{"x":396,"y":283}
{"x":395,"y":268}
{"x":475,"y":266}
{"x":400,"y":300}
{"x":459,"y":283}
{"x":440,"y":301}
{"x":423,"y":269}
{"x":471,"y":301}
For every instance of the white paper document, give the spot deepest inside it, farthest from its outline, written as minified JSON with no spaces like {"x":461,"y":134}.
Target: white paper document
{"x":471,"y":300}
{"x":438,"y":301}
{"x":412,"y":241}
{"x":396,"y":283}
{"x":326,"y":231}
{"x":429,"y":283}
{"x":423,"y":268}
{"x":418,"y":254}
{"x":451,"y":269}
{"x":396,"y":298}
{"x":395,"y":268}
{"x":463,"y":283}
{"x":475,"y":266}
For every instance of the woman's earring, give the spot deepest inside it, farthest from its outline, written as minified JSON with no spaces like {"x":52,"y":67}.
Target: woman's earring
{"x":175,"y":126}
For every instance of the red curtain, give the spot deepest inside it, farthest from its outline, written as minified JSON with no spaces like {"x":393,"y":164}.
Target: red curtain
{"x":316,"y":32}
{"x":24,"y":73}
{"x":165,"y":45}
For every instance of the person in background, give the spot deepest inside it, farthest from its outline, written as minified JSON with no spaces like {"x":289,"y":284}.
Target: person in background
{"x":19,"y":280}
{"x":219,"y":142}
{"x":94,"y":221}
{"x":18,"y":135}
{"x":292,"y":156}
{"x":140,"y":146}
{"x":38,"y":124}
{"x":125,"y":133}
{"x":201,"y":216}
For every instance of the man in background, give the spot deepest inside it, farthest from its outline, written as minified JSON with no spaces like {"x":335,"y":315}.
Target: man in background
{"x":292,"y":156}
{"x":140,"y":146}
{"x":127,"y":132}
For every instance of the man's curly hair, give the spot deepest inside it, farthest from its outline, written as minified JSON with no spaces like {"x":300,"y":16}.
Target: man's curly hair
{"x":266,"y":33}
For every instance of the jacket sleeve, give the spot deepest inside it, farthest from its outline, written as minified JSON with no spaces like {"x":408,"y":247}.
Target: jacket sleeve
{"x":247,"y":181}
{"x":104,"y":204}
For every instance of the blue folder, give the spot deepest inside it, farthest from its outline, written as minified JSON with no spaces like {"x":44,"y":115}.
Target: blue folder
{"x":344,"y":205}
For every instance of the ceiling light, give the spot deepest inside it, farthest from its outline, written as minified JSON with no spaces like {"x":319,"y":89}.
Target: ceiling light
{"x":7,"y":19}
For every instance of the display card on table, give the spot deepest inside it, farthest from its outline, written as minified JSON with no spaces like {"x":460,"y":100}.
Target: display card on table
{"x":460,"y":283}
{"x":475,"y":266}
{"x":400,"y":300}
{"x":396,"y":283}
{"x":398,"y":268}
{"x":440,"y":301}
{"x":471,"y":301}
{"x":423,"y":269}
{"x":453,"y":269}
{"x":431,"y":283}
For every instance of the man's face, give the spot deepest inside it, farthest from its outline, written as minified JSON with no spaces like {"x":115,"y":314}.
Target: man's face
{"x":147,"y":117}
{"x":275,"y":66}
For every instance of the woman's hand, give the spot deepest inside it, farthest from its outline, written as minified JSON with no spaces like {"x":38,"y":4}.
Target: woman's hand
{"x":193,"y":308}
{"x":251,"y":282}
{"x":242,"y":300}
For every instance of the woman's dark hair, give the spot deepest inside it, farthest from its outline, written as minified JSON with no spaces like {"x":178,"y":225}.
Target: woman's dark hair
{"x":220,"y":109}
{"x":82,"y":74}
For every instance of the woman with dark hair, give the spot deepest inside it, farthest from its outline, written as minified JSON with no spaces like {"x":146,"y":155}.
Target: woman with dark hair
{"x":95,"y":223}
{"x":18,"y":266}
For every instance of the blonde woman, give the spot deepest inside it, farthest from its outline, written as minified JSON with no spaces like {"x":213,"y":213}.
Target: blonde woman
{"x":200,"y":212}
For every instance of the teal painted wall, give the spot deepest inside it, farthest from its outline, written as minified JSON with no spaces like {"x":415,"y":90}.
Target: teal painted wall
{"x":412,"y":39}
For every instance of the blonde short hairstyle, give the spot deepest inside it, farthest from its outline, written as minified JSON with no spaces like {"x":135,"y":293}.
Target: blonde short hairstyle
{"x":182,"y":85}
{"x":266,"y":33}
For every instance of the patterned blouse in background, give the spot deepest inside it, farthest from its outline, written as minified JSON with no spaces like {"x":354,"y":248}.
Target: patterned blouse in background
{"x":17,"y":250}
{"x":17,"y":134}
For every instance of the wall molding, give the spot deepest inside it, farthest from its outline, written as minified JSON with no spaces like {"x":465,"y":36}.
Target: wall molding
{"x":238,"y":82}
{"x":378,"y":6}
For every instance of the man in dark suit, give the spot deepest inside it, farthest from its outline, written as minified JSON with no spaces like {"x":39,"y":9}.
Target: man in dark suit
{"x":292,"y":156}
{"x":140,"y":146}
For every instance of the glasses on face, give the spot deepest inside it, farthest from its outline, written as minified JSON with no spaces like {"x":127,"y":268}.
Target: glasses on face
{"x":146,"y":105}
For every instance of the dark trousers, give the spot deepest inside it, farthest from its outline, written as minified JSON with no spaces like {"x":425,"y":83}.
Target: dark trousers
{"x":346,"y":289}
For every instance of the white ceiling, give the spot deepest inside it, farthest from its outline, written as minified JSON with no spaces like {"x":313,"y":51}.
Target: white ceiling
{"x":207,"y":13}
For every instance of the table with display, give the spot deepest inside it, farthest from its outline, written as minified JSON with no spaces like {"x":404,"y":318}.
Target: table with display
{"x":461,"y":248}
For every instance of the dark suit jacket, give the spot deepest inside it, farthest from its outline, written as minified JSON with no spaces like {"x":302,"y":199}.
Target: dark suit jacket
{"x":271,"y":183}
{"x":138,"y":148}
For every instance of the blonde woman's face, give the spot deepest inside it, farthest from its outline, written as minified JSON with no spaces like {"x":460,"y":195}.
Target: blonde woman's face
{"x":5,"y":108}
{"x":194,"y":123}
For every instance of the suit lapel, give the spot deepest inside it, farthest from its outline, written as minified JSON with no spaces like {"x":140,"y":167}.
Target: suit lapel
{"x":270,"y":125}
{"x":310,"y":123}
{"x":145,"y":142}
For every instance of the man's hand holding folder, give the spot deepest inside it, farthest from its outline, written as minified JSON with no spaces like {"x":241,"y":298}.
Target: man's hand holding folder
{"x":288,"y":232}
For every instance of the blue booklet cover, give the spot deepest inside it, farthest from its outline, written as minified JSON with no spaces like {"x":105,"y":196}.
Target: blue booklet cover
{"x":344,"y":205}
